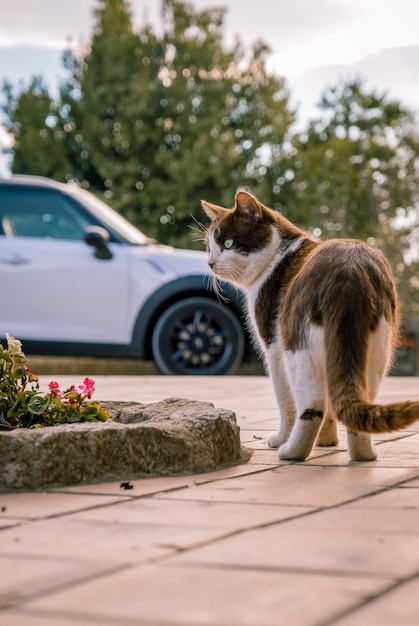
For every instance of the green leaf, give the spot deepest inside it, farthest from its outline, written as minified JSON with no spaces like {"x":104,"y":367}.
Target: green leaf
{"x":38,"y":405}
{"x":18,"y":372}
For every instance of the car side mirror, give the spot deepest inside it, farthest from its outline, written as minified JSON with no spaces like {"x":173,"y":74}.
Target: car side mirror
{"x":98,"y":237}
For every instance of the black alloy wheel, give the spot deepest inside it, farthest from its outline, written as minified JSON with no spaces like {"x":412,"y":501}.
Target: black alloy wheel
{"x":198,"y":336}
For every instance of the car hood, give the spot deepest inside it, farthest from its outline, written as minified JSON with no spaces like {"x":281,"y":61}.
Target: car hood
{"x":178,"y":261}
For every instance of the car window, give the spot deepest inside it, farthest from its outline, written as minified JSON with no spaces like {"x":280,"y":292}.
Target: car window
{"x":109,"y":218}
{"x":39,"y":213}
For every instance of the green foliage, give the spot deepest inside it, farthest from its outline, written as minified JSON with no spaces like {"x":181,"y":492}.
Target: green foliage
{"x":23,"y":406}
{"x":354,"y":173}
{"x":38,"y":147}
{"x":154,"y":121}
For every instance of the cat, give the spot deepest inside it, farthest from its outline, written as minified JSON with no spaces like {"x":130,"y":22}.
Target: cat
{"x":326,"y":316}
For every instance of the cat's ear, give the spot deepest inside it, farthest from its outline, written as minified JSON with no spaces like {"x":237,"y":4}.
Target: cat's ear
{"x":248,"y":207}
{"x":212,"y":210}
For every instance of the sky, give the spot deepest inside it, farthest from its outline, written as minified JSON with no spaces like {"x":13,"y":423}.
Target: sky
{"x":314,"y":43}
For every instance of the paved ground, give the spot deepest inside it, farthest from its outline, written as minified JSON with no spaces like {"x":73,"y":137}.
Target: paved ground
{"x":321,"y":543}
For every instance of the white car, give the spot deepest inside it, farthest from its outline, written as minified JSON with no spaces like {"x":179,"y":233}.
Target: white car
{"x":78,"y":279}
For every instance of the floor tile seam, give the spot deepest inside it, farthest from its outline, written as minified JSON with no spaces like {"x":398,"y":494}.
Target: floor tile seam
{"x":95,"y":618}
{"x":371,"y":494}
{"x":265,"y":464}
{"x":195,"y":482}
{"x":75,"y":617}
{"x":43,"y":556}
{"x":368,"y":600}
{"x":398,"y":436}
{"x":243,"y":503}
{"x":262,"y":525}
{"x":124,"y":499}
{"x":222,"y":537}
{"x":16,"y":524}
{"x":53,"y":516}
{"x":78,"y":616}
{"x":402,"y":483}
{"x":273,"y":569}
{"x":315,"y":508}
{"x":19,"y":518}
{"x":205,"y":482}
{"x":351,"y":464}
{"x":68,"y":584}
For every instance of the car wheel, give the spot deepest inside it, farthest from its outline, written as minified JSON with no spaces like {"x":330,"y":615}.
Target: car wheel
{"x":198,"y":336}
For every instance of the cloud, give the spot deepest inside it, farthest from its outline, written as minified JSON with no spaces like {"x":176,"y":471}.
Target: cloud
{"x":45,"y":23}
{"x":283,"y":24}
{"x":389,"y":71}
{"x":314,"y":43}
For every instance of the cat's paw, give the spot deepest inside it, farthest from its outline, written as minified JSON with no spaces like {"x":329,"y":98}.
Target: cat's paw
{"x":364,"y":456}
{"x":287,"y":454}
{"x":327,"y":440}
{"x":274,"y":440}
{"x":328,"y":435}
{"x":360,"y":447}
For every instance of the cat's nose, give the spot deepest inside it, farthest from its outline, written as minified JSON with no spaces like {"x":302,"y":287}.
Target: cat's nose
{"x":211,"y":264}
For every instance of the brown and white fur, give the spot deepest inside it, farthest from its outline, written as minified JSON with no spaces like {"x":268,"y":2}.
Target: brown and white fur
{"x":326,"y":317}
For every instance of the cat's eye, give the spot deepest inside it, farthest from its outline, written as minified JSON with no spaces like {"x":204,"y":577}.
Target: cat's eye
{"x":228,"y":243}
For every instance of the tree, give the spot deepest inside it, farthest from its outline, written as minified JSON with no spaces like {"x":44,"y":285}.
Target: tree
{"x":38,"y":147}
{"x":154,"y":122}
{"x":354,"y":173}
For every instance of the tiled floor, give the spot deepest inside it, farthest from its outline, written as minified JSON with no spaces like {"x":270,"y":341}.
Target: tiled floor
{"x":321,"y":543}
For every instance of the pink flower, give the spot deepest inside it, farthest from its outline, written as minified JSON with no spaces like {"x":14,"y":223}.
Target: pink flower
{"x":54,"y":389}
{"x":88,"y":388}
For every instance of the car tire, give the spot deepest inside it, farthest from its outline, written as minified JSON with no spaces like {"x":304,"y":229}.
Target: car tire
{"x":198,"y":337}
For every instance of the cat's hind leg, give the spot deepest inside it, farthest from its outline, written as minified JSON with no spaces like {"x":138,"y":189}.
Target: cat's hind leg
{"x":360,"y":446}
{"x":328,"y":435}
{"x":308,"y":386}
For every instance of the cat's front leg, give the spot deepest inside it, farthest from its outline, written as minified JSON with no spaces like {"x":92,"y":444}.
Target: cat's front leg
{"x":306,"y":379}
{"x":287,"y":419}
{"x":303,"y":435}
{"x":283,"y":395}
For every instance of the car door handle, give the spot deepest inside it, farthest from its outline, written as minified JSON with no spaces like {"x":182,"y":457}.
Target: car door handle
{"x":14,"y":260}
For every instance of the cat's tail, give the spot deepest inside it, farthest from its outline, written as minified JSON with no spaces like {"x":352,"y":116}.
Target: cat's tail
{"x":359,"y":325}
{"x":375,"y":418}
{"x":348,"y":392}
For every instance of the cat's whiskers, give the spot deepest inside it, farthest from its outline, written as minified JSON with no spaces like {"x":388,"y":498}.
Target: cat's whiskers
{"x":236,"y":275}
{"x":199,"y":231}
{"x":218,"y":290}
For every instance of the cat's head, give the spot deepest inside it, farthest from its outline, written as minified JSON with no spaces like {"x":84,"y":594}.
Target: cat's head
{"x":242,"y":241}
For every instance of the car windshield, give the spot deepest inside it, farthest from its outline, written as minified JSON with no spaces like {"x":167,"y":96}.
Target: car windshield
{"x":109,"y":217}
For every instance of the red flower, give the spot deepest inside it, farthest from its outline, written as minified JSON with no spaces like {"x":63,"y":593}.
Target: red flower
{"x":88,"y":388}
{"x":54,"y":388}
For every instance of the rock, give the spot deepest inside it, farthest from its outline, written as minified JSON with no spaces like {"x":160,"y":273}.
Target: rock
{"x":174,"y":436}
